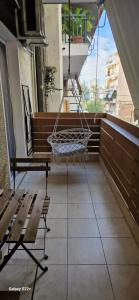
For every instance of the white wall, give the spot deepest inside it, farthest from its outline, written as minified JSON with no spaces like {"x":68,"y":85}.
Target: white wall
{"x":78,"y":56}
{"x":4,"y":155}
{"x":20,"y":64}
{"x":26,"y":73}
{"x":53,"y":53}
{"x":17,"y":102}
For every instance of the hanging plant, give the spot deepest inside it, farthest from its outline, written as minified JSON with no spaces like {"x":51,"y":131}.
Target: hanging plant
{"x":49,"y":80}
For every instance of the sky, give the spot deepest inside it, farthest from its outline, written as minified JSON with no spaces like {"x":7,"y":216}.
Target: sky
{"x":106,"y":48}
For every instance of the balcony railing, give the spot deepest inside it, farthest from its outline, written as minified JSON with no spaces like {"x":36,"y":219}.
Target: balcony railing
{"x":78,"y":28}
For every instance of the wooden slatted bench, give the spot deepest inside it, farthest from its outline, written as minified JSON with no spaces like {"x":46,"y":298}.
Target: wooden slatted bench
{"x":25,"y":164}
{"x":15,"y":210}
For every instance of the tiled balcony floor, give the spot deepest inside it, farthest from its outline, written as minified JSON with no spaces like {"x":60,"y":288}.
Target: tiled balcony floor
{"x":92,"y":254}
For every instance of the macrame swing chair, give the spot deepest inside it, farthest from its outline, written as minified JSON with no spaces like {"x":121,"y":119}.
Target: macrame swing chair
{"x":73,"y":141}
{"x":70,"y":142}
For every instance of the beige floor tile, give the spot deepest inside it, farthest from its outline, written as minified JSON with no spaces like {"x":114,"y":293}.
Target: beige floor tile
{"x":97,"y":179}
{"x":60,"y":198}
{"x":25,"y":295}
{"x":93,"y":171}
{"x":89,"y":282}
{"x":39,"y":179}
{"x":121,"y":251}
{"x":77,"y":187}
{"x":58,"y":169}
{"x":57,"y":211}
{"x":99,"y":187}
{"x":111,"y":227}
{"x":28,"y":282}
{"x":125,"y":282}
{"x":81,"y":210}
{"x":35,"y":173}
{"x":82,"y":228}
{"x":57,"y":251}
{"x":76,"y":170}
{"x":85,"y":251}
{"x":77,"y":179}
{"x":93,"y":166}
{"x":79,"y":197}
{"x":107,"y":210}
{"x":57,"y":189}
{"x":58,"y":228}
{"x":20,"y":257}
{"x":32,"y":185}
{"x":52,"y":285}
{"x":54,"y":179}
{"x":12,"y":276}
{"x":102,"y":195}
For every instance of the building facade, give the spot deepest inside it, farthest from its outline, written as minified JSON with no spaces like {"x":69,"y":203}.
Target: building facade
{"x":118,"y":97}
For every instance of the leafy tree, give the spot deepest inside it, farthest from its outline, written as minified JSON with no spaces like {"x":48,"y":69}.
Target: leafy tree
{"x":85,"y":92}
{"x":95,"y":106}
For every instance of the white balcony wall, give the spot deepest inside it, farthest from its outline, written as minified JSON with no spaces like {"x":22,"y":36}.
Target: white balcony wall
{"x":27,"y":74}
{"x":16,"y":98}
{"x":19,"y":63}
{"x":4,"y":158}
{"x":53,"y":53}
{"x":78,"y":57}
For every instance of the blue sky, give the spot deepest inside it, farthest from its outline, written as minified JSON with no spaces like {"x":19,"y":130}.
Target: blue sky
{"x":106,"y":47}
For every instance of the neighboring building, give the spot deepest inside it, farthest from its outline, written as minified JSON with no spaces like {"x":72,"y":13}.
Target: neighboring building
{"x":118,"y":97}
{"x":125,"y":107}
{"x":111,"y":78}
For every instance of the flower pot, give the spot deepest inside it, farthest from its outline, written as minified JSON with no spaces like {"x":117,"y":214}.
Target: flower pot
{"x":77,"y":39}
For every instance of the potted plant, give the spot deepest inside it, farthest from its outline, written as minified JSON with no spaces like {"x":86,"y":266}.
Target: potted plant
{"x":81,"y":23}
{"x":49,"y":80}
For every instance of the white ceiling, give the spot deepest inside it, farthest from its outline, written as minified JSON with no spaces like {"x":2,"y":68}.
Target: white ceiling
{"x":66,"y":1}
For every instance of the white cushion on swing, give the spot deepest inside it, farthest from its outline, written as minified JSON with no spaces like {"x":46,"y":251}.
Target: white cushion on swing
{"x":68,"y":148}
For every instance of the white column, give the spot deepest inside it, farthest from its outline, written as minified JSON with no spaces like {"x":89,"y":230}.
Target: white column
{"x":53,"y":53}
{"x":16,"y":97}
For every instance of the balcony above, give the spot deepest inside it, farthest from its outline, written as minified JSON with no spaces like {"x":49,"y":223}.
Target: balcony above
{"x":78,"y":56}
{"x":80,"y":25}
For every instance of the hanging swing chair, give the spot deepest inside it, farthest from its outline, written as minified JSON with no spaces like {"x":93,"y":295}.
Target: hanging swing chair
{"x":73,"y":141}
{"x":70,"y":142}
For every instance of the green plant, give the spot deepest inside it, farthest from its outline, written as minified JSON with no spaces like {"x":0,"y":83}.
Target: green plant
{"x":49,"y":80}
{"x":86,"y":93}
{"x":81,"y":20}
{"x":95,"y":106}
